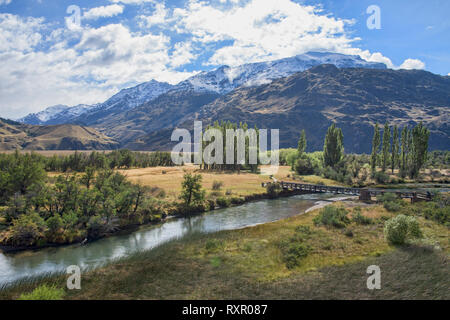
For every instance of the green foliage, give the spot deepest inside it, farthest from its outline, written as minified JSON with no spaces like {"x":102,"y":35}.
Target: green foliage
{"x":44,"y":292}
{"x":376,"y":141}
{"x":302,"y":143}
{"x":223,"y":202}
{"x":401,"y":228}
{"x":74,"y":207}
{"x":438,"y":210}
{"x":394,"y":150}
{"x":27,"y":230}
{"x":381,"y":177}
{"x":333,"y":148}
{"x":332,"y":216}
{"x":359,"y":218}
{"x":293,"y":252}
{"x":273,"y":189}
{"x":391,"y":202}
{"x":231,"y":157}
{"x":192,"y":192}
{"x":420,"y":136}
{"x":303,"y":165}
{"x":386,"y":146}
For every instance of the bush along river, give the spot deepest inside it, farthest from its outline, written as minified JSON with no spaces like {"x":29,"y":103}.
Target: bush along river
{"x":29,"y":263}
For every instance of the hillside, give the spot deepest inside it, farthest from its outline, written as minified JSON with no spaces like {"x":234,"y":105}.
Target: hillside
{"x":218,"y":81}
{"x":353,"y":98}
{"x":14,"y":135}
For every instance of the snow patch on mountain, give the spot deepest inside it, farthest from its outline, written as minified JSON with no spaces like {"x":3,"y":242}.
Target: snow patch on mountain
{"x":226,"y":79}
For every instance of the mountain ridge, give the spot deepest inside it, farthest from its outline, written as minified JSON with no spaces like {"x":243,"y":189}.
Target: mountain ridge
{"x":220,"y":81}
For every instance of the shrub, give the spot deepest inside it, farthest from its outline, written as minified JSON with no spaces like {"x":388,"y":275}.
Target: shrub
{"x":381,"y":177}
{"x":223,"y":202}
{"x":390,"y":202}
{"x":332,"y":216}
{"x":387,"y":197}
{"x":273,"y":189}
{"x":293,"y":252}
{"x":439,"y":214}
{"x":27,"y":230}
{"x":304,"y":165}
{"x":392,"y":206}
{"x":358,"y":218}
{"x":217,"y":185}
{"x":401,"y":228}
{"x":44,"y":292}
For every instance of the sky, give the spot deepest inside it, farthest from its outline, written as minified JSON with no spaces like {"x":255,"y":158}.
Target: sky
{"x":82,"y":52}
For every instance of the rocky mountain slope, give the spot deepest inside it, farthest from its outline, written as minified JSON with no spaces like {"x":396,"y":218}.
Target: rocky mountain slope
{"x":15,"y":135}
{"x":219,"y":81}
{"x":353,"y":98}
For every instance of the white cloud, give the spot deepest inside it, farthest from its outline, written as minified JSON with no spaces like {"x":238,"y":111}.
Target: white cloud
{"x":103,"y":61}
{"x":410,"y":64}
{"x":261,"y":29}
{"x":103,"y":11}
{"x":159,"y":16}
{"x":182,"y":54}
{"x":40,"y":68}
{"x":19,"y":34}
{"x":131,"y":1}
{"x":5,"y":2}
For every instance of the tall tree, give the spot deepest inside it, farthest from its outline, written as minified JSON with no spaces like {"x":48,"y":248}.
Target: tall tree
{"x":192,"y":192}
{"x":386,"y":146}
{"x":404,"y":152}
{"x":333,"y":148}
{"x":375,"y":146}
{"x":395,"y":148}
{"x":420,"y":136}
{"x":302,"y":143}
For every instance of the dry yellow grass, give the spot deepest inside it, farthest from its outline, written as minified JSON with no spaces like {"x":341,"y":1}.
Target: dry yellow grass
{"x":240,"y":184}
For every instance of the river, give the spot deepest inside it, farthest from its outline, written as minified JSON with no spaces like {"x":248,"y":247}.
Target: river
{"x":33,"y":263}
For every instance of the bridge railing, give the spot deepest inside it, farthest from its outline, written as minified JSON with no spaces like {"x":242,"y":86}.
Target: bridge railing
{"x":347,"y":190}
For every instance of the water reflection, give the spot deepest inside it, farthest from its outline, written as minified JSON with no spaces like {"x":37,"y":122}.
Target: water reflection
{"x":16,"y":266}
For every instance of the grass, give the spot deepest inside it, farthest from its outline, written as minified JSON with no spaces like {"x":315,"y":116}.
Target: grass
{"x":249,"y":264}
{"x":169,"y":179}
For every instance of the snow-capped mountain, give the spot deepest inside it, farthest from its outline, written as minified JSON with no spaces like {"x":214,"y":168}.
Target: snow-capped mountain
{"x":220,"y":81}
{"x":129,"y":98}
{"x":56,"y":114}
{"x":124,"y":100}
{"x":225,"y":78}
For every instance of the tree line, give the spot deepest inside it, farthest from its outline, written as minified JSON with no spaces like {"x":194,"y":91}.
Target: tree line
{"x":223,"y":126}
{"x":405,"y":150}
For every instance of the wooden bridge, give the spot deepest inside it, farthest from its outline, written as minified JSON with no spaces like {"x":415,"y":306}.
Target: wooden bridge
{"x":363,"y":193}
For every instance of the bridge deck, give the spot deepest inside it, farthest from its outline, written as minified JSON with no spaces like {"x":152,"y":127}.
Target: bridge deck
{"x":362,"y":192}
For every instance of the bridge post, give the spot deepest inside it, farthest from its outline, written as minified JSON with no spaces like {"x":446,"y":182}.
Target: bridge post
{"x":364,"y":195}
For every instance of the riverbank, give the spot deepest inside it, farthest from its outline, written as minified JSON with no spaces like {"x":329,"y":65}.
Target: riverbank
{"x":249,"y":263}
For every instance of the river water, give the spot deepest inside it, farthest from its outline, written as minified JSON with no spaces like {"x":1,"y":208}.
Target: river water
{"x":32,"y":263}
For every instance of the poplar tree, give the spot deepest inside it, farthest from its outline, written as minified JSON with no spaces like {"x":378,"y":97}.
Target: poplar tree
{"x":375,"y":146}
{"x":302,"y":143}
{"x":386,"y":146}
{"x":395,"y":148}
{"x":420,"y":135}
{"x":333,"y":148}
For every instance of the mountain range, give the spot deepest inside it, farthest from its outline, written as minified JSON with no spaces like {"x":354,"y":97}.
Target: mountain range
{"x":308,"y":91}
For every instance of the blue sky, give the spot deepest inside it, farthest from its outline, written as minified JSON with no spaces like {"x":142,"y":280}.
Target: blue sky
{"x":48,"y":60}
